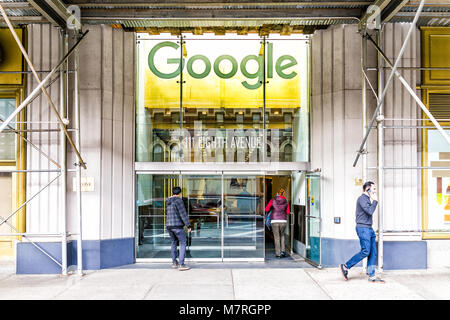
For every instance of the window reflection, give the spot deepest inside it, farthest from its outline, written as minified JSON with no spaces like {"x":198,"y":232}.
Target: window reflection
{"x":202,"y":117}
{"x":7,"y":139}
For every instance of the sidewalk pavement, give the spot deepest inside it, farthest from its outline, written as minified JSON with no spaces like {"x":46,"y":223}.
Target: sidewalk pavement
{"x":159,"y":281}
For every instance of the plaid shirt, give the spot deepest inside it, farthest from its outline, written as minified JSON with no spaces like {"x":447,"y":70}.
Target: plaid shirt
{"x":175,"y":211}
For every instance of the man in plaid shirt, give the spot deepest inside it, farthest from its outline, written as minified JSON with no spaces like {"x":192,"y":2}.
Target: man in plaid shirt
{"x":176,"y":219}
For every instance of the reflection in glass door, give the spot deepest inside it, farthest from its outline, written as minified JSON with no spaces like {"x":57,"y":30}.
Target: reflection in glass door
{"x":226,"y":214}
{"x":313,"y":219}
{"x":202,"y":195}
{"x":152,"y":238}
{"x":243,"y":235}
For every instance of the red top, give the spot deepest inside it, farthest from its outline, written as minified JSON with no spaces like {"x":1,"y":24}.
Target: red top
{"x":270,"y":205}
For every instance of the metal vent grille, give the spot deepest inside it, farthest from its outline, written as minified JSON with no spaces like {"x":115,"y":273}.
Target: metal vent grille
{"x":439,"y":105}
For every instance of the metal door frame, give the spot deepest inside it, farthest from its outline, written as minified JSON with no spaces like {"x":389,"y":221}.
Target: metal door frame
{"x":180,"y":174}
{"x":308,"y":216}
{"x":286,"y":173}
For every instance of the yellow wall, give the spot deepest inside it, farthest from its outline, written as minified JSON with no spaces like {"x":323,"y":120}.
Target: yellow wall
{"x":10,"y":58}
{"x":435,"y":54}
{"x":13,"y":86}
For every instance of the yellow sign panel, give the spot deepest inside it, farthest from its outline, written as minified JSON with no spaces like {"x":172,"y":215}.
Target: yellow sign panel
{"x":10,"y":57}
{"x":221,"y":72}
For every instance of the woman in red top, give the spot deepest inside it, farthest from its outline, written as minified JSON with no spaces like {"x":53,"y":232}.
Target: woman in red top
{"x":280,"y":210}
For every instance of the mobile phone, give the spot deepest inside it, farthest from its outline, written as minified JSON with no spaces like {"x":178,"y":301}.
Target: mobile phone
{"x":368,"y":190}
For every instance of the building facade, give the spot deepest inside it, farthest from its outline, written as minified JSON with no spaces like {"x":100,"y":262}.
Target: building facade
{"x":231,"y":118}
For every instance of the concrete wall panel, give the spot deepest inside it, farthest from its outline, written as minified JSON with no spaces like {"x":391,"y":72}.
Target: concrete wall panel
{"x":336,"y":124}
{"x":107,"y":131}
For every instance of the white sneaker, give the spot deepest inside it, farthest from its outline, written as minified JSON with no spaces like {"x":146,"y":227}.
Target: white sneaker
{"x":183,"y":267}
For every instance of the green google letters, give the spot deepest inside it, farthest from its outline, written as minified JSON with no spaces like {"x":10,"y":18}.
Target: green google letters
{"x":280,"y":65}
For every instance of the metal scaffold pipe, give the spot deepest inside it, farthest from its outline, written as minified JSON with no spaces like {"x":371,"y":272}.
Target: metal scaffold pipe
{"x":411,"y":91}
{"x":77,"y":121}
{"x":380,"y":147}
{"x":364,"y":104}
{"x":63,"y":156}
{"x":40,"y":86}
{"x":397,"y":62}
{"x":28,"y":200}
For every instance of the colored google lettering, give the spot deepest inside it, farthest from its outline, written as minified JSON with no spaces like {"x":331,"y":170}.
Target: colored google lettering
{"x":281,"y":65}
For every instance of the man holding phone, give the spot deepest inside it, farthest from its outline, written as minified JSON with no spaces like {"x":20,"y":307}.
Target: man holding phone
{"x":365,"y":207}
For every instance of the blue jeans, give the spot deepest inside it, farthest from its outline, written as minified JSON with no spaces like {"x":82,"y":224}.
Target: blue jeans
{"x":178,"y":236}
{"x":367,"y":239}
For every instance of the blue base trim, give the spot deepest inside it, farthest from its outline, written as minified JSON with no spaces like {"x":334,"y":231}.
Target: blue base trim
{"x":116,"y":252}
{"x":30,"y":260}
{"x":398,"y":255}
{"x":91,"y":254}
{"x":337,"y":251}
{"x":97,"y":254}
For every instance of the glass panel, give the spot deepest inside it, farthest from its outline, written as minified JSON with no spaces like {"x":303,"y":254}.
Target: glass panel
{"x":203,"y":199}
{"x":244,"y":217}
{"x":219,"y":117}
{"x":313,"y":248}
{"x":7,"y":139}
{"x":152,"y":193}
{"x":158,"y":99}
{"x":438,"y":216}
{"x":313,"y":221}
{"x":287,"y":98}
{"x":223,"y":99}
{"x":299,"y":206}
{"x":6,"y":200}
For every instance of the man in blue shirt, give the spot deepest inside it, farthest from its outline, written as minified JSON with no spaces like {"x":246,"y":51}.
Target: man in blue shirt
{"x":365,"y":207}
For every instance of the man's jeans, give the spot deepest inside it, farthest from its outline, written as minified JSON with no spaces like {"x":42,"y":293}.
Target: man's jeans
{"x":178,"y":236}
{"x":368,"y":250}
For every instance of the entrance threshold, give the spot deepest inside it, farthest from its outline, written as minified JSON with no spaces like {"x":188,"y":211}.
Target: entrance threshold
{"x":297,"y":262}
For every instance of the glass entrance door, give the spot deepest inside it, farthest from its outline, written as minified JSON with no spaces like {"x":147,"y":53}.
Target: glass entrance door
{"x":203,"y":201}
{"x":313,"y":218}
{"x":226,"y":214}
{"x":243,"y":229}
{"x":153,"y":190}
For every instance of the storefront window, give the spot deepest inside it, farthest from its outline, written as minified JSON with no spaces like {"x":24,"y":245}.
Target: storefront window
{"x":224,"y":98}
{"x":226,"y":215}
{"x":438,"y":181}
{"x":222,"y":110}
{"x":7,"y":137}
{"x":158,"y":100}
{"x":7,"y":161}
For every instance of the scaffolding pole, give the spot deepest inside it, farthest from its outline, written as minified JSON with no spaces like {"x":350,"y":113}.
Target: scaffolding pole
{"x":61,"y":116}
{"x":78,"y":165}
{"x":380,"y":149}
{"x":32,"y":144}
{"x":378,"y":116}
{"x":63,"y":156}
{"x":411,"y":91}
{"x":28,"y":200}
{"x":32,"y":242}
{"x":394,"y":69}
{"x":364,"y":117}
{"x":40,"y":86}
{"x":364,"y":105}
